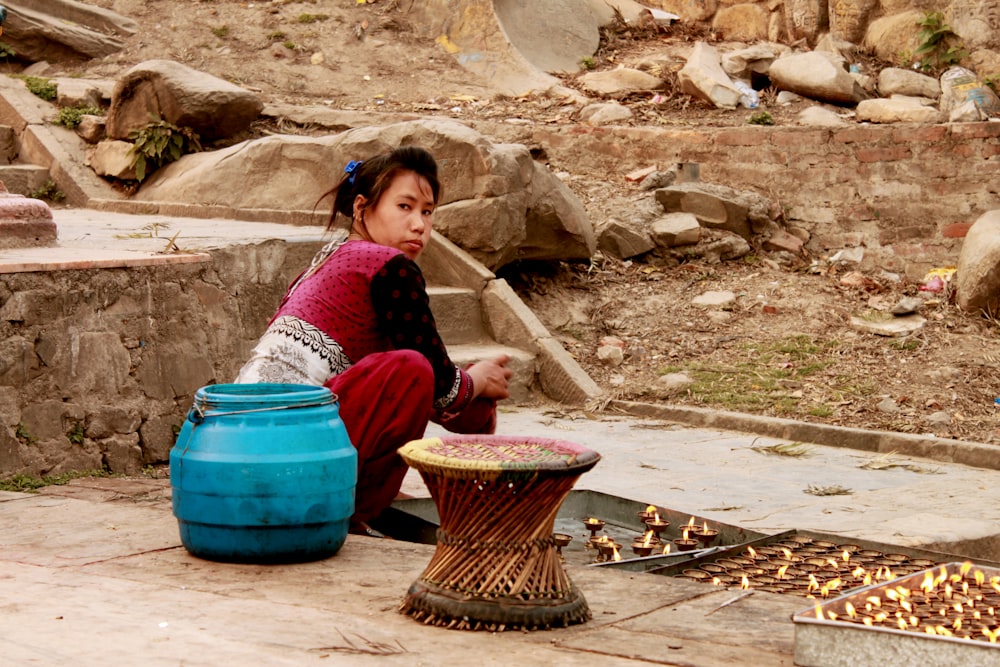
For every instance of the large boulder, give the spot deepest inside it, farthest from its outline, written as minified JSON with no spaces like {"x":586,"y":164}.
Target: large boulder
{"x":742,"y":22}
{"x":977,"y":279}
{"x":806,"y":19}
{"x":978,"y":23}
{"x":63,"y":30}
{"x":893,"y":35}
{"x":186,"y":97}
{"x":702,"y":76}
{"x":720,"y":207}
{"x":620,"y":81}
{"x":818,"y":75}
{"x":496,"y":202}
{"x":849,"y":18}
{"x":897,"y":109}
{"x":899,"y":81}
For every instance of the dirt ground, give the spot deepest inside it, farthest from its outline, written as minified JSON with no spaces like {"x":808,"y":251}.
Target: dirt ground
{"x":784,"y":346}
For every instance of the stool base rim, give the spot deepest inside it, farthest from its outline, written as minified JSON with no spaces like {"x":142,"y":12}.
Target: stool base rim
{"x":436,"y":605}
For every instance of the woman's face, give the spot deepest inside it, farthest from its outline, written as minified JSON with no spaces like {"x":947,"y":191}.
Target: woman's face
{"x":402,"y":217}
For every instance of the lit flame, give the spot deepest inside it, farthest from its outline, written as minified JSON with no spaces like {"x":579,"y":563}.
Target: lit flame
{"x":691,"y":524}
{"x":964,"y":568}
{"x":867,"y":621}
{"x":991,"y":634}
{"x":914,"y":621}
{"x":666,"y":548}
{"x":874,"y":600}
{"x":787,"y":553}
{"x":614,"y":552}
{"x":927,"y":585}
{"x":656,"y":517}
{"x":849,"y":608}
{"x":704,"y":527}
{"x":752,"y":552}
{"x":593,"y":519}
{"x":957,"y":624}
{"x":859,"y":571}
{"x":651,"y":509}
{"x":647,"y":538}
{"x":716,"y":581}
{"x":901,"y":623}
{"x":744,"y":582}
{"x":831,"y":615}
{"x":813,"y":583}
{"x":781,"y":571}
{"x":846,"y":555}
{"x":819,"y":612}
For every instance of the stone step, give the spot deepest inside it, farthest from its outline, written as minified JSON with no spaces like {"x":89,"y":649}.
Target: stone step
{"x":8,"y":144}
{"x":522,"y":363}
{"x":458,"y":315}
{"x":23,"y":179}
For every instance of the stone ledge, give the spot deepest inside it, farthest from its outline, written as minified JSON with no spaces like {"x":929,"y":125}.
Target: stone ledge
{"x":945,"y":450}
{"x":26,"y":233}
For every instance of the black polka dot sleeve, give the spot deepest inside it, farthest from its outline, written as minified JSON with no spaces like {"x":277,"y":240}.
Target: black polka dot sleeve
{"x":403,"y":311}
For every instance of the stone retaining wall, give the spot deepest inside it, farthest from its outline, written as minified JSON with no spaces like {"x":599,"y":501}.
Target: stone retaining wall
{"x":98,"y":367}
{"x":907,"y":193}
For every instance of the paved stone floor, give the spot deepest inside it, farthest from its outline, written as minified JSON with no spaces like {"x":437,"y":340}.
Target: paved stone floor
{"x":93,"y":573}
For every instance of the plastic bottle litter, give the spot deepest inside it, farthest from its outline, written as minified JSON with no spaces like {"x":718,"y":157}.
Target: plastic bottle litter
{"x":748,"y":97}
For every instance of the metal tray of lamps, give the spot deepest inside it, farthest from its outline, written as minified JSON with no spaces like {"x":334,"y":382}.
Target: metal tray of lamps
{"x":945,"y":615}
{"x":806,"y":563}
{"x":620,"y":520}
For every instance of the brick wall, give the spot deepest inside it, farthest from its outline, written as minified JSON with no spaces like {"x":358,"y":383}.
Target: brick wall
{"x":906,"y":192}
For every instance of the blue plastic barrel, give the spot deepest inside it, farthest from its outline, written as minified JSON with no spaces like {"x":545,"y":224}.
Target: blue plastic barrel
{"x":263,"y":473}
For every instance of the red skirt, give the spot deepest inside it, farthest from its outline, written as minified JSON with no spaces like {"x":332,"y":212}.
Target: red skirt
{"x":386,"y":400}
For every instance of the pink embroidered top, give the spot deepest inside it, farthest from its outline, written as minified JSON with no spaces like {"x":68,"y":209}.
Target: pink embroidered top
{"x":356,"y":299}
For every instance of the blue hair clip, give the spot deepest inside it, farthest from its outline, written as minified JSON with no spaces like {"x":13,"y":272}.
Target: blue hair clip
{"x":351,"y":169}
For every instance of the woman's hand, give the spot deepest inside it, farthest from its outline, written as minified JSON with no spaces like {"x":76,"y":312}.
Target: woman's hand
{"x":490,"y":377}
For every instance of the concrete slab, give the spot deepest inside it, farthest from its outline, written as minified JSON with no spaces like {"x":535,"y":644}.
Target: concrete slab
{"x":729,"y":477}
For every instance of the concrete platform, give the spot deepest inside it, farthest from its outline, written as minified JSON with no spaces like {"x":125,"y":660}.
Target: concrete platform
{"x":93,"y":573}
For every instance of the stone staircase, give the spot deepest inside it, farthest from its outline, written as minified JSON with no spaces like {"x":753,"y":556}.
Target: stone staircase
{"x":480,"y":316}
{"x":18,"y":176}
{"x":459,"y":316}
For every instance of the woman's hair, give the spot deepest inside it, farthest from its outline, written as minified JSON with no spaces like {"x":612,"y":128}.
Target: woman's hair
{"x":372,"y":178}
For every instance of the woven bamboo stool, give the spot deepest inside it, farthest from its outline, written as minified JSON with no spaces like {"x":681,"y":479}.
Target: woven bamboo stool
{"x":496,"y":566}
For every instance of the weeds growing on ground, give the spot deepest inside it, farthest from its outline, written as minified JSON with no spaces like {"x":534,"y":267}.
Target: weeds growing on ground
{"x":70,"y":116}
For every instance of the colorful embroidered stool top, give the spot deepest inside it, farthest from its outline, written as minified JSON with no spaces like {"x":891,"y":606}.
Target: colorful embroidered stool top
{"x":496,"y":566}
